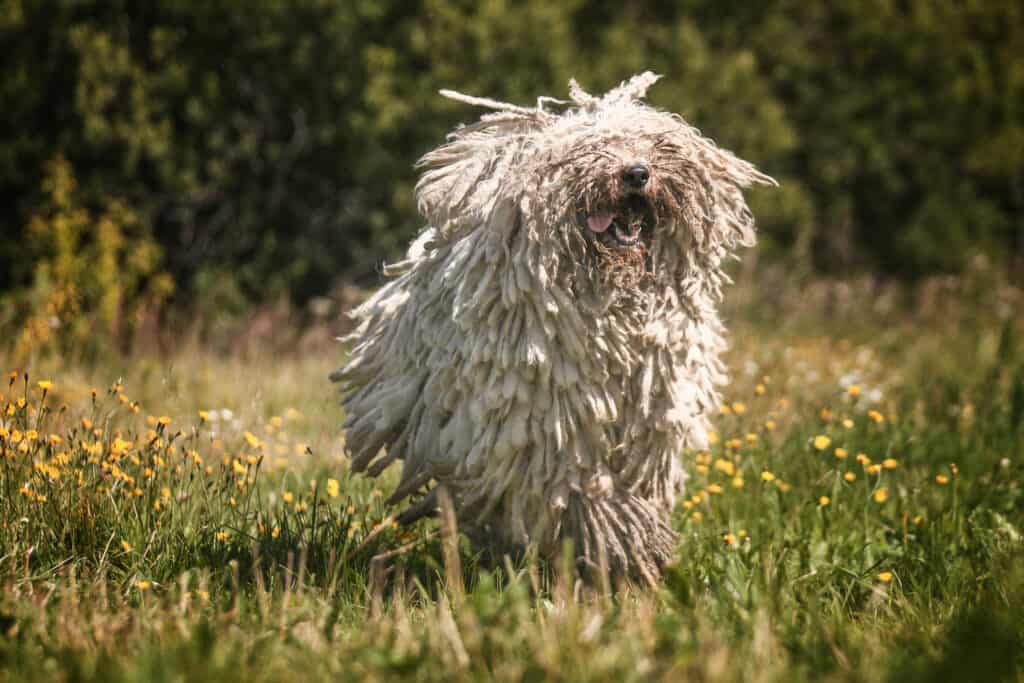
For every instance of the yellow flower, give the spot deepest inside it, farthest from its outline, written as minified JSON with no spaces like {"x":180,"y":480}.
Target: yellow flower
{"x":850,"y":476}
{"x":697,"y":516}
{"x":823,"y":501}
{"x":734,"y":444}
{"x":725,"y":466}
{"x":231,"y":501}
{"x":759,"y":389}
{"x":126,"y":546}
{"x":863,"y":459}
{"x":204,"y":415}
{"x":31,"y":435}
{"x":767,"y":476}
{"x":876,"y":417}
{"x":713,"y":437}
{"x":853,"y":390}
{"x":237,"y":466}
{"x":739,"y":408}
{"x":300,"y":506}
{"x":222,"y":536}
{"x":45,"y":384}
{"x":714,"y":488}
{"x":848,"y":423}
{"x":164,"y":420}
{"x":941,"y":479}
{"x":826,"y":414}
{"x":841,"y":453}
{"x":751,"y":438}
{"x":252,"y":440}
{"x":783,"y":486}
{"x":885,"y":577}
{"x":143,"y":585}
{"x":737,"y":482}
{"x":881,"y":495}
{"x":918,"y":519}
{"x":726,"y":410}
{"x":730,"y":539}
{"x":165,"y":493}
{"x":275,"y":532}
{"x":333,"y":489}
{"x":821,"y":442}
{"x":702,"y":469}
{"x":874,"y":469}
{"x":769,"y":425}
{"x":288,"y":497}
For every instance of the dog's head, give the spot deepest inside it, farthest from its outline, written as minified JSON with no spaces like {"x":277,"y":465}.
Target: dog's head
{"x":608,"y":186}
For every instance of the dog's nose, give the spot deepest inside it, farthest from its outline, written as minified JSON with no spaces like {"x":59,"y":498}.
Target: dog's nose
{"x":637,"y":175}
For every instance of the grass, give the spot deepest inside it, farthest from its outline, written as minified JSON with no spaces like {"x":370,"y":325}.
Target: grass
{"x":858,"y":518}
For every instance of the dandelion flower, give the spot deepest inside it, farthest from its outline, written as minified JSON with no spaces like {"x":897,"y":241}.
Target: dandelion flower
{"x":941,"y":479}
{"x":204,"y":415}
{"x":885,"y":577}
{"x":821,"y":442}
{"x":767,"y":476}
{"x":739,"y":408}
{"x":823,"y":501}
{"x":826,"y":415}
{"x":252,"y":440}
{"x":848,"y":423}
{"x":163,"y":420}
{"x":783,"y":486}
{"x":918,"y":519}
{"x":730,"y":539}
{"x":714,"y":488}
{"x":737,"y":482}
{"x":126,"y":546}
{"x":874,"y":469}
{"x":841,"y":453}
{"x":45,"y":384}
{"x":275,"y":532}
{"x":759,"y":390}
{"x":769,"y":425}
{"x":863,"y":459}
{"x":890,"y":463}
{"x":725,"y":466}
{"x":713,"y":437}
{"x":853,"y":390}
{"x":726,"y":410}
{"x":332,"y":488}
{"x":697,"y":516}
{"x":850,"y":476}
{"x":288,"y":497}
{"x":222,"y":536}
{"x":143,"y":585}
{"x":881,"y":495}
{"x":876,"y":417}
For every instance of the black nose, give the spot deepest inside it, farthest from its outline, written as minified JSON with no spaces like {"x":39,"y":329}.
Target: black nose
{"x":637,"y":175}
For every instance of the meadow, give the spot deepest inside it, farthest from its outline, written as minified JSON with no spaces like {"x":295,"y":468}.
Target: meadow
{"x":189,"y":516}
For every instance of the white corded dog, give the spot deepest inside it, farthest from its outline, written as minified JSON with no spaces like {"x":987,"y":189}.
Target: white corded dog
{"x":550,"y":343}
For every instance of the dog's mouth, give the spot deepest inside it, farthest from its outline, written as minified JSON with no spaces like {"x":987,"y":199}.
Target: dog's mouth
{"x":625,"y":225}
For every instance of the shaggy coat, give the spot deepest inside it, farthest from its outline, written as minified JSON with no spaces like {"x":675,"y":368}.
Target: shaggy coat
{"x":550,"y":343}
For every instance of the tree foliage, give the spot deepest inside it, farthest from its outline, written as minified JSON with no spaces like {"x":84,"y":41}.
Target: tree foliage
{"x":266,"y":148}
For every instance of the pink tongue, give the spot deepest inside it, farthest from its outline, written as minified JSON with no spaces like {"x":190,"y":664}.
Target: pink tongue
{"x":599,"y":222}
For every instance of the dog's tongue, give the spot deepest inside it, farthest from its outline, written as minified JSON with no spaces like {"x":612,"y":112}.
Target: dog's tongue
{"x":599,"y":222}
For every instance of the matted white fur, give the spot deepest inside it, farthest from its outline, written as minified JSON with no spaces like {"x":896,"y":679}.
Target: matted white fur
{"x":550,"y":343}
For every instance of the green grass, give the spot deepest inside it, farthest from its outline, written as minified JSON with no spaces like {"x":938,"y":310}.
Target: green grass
{"x":146,"y":566}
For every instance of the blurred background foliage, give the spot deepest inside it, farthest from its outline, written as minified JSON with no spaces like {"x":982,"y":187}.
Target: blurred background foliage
{"x":207,"y":158}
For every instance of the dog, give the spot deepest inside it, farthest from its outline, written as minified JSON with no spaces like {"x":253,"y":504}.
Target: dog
{"x":550,"y":343}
